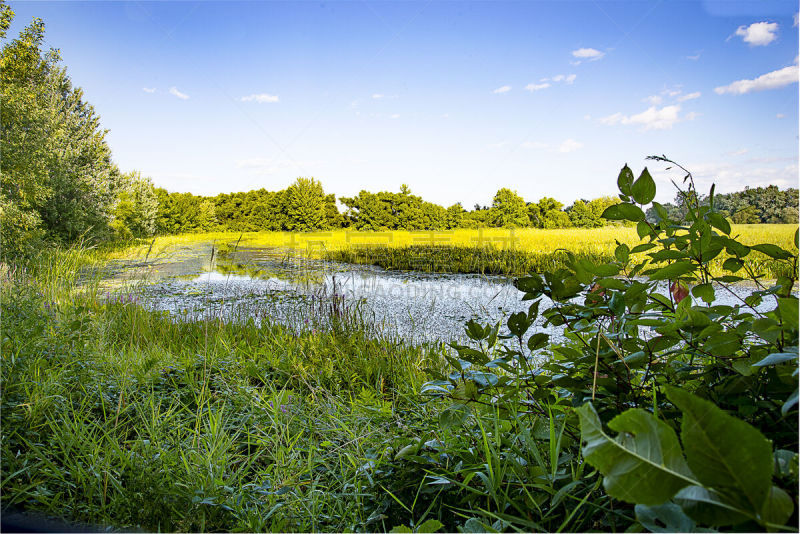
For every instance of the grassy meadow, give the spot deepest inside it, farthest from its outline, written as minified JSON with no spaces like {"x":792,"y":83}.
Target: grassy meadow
{"x":489,"y":251}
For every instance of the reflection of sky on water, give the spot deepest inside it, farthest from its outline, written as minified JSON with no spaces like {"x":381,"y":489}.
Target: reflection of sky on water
{"x":263,"y":283}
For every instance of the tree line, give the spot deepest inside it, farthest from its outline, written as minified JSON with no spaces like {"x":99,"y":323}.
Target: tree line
{"x":304,"y":206}
{"x":58,"y":183}
{"x":754,"y":205}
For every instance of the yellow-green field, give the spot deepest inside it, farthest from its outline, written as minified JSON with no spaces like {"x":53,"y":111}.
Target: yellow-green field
{"x":596,"y":240}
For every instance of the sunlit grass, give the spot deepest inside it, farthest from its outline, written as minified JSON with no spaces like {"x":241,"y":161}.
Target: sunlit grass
{"x":497,"y":250}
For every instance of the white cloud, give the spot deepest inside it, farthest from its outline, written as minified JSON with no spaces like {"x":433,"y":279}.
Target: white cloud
{"x":544,"y":83}
{"x":612,"y":120}
{"x":501,"y":90}
{"x":740,"y":152}
{"x":569,"y":145}
{"x":753,"y":172}
{"x":758,"y":33}
{"x":261,"y":98}
{"x":690,"y":96}
{"x":771,"y":80}
{"x":694,"y":57}
{"x":692,"y":115}
{"x":588,"y":53}
{"x":566,"y":79}
{"x":174,"y":91}
{"x":654,"y":100}
{"x":536,"y":86}
{"x":150,"y":90}
{"x":377,"y":96}
{"x":794,"y":22}
{"x":395,"y":116}
{"x":780,"y":116}
{"x":655,"y":119}
{"x":652,"y":118}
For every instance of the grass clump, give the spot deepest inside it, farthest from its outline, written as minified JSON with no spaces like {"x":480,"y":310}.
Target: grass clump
{"x":116,"y":415}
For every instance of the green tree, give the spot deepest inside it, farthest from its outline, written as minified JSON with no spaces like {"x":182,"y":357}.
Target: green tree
{"x":454,"y":216}
{"x":550,"y":214}
{"x":136,"y":208}
{"x":305,"y":205}
{"x":56,"y":175}
{"x":509,"y":210}
{"x":582,"y":216}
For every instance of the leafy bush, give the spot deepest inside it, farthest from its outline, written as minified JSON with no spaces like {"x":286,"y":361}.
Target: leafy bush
{"x":648,"y":350}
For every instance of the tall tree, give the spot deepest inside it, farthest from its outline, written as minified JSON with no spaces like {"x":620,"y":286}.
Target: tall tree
{"x":56,"y":175}
{"x":305,"y":205}
{"x":136,"y":208}
{"x":509,"y":210}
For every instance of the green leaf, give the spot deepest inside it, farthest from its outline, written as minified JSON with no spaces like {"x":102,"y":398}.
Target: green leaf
{"x":644,"y":188}
{"x":538,"y":341}
{"x":625,"y":180}
{"x":623,"y":212}
{"x":518,"y":323}
{"x":466,"y":390}
{"x":643,"y":464}
{"x":643,"y":247}
{"x":474,"y":525}
{"x":724,"y":452}
{"x":778,"y":507}
{"x":723,"y":344}
{"x":603,"y":269}
{"x":431,"y":525}
{"x":790,"y":402}
{"x":453,"y":415}
{"x":529,"y":284}
{"x":673,"y":270}
{"x":401,"y":529}
{"x":704,"y":292}
{"x":732,"y":264}
{"x":707,"y":507}
{"x":622,"y":252}
{"x":408,"y":450}
{"x":777,"y":357}
{"x":773,"y":251}
{"x":643,"y":229}
{"x":475,"y":331}
{"x":719,"y":222}
{"x":737,"y":249}
{"x":789,"y":312}
{"x":664,"y":518}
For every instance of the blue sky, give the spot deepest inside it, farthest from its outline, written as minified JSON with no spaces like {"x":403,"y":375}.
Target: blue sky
{"x":456,"y":99}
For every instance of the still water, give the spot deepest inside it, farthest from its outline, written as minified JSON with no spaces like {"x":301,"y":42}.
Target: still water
{"x":264,"y":283}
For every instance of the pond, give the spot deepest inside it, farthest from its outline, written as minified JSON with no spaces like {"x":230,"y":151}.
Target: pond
{"x":196,"y":282}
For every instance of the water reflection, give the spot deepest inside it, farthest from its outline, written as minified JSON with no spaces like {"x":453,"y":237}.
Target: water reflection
{"x":260,"y":283}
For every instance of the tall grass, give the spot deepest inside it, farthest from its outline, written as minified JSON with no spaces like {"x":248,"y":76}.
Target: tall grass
{"x":116,"y":415}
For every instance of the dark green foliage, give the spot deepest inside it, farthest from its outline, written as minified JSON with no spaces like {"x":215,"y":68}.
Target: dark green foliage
{"x":184,"y":212}
{"x":56,"y":176}
{"x":458,"y":259}
{"x":646,"y":359}
{"x":752,"y":206}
